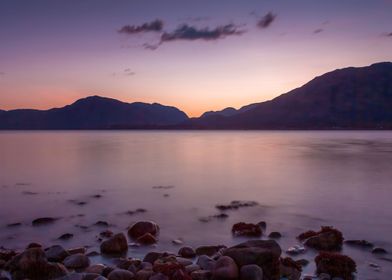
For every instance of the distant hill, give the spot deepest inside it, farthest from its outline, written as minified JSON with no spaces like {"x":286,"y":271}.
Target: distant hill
{"x":349,"y":98}
{"x":93,"y":112}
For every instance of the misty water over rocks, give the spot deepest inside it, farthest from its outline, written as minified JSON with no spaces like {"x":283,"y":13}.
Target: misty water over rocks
{"x":68,"y":187}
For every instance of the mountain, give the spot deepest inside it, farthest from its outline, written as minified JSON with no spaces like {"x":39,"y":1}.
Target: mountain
{"x":94,"y":112}
{"x":349,"y":98}
{"x":229,"y":111}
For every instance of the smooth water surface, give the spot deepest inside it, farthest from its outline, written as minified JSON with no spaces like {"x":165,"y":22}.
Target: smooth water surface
{"x":301,"y":180}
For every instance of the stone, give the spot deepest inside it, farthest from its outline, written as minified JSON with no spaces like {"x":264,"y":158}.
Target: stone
{"x":115,"y":245}
{"x":205,"y":262}
{"x":192,"y":267}
{"x":77,"y":250}
{"x":56,"y":253}
{"x":290,"y":269}
{"x":102,"y":224}
{"x":236,"y":204}
{"x":106,"y":233}
{"x":121,"y":274}
{"x":251,"y":272}
{"x":183,"y":261}
{"x":7,"y":254}
{"x":43,"y":221}
{"x":32,"y":264}
{"x":146,"y":239}
{"x":264,"y":253}
{"x":225,"y":269}
{"x":263,"y":225}
{"x":295,"y":250}
{"x":177,"y":242}
{"x":96,"y":268}
{"x":378,"y":250}
{"x":324,"y":276}
{"x":159,"y":276}
{"x":34,"y":245}
{"x":327,"y":239}
{"x":77,"y":261}
{"x":244,"y":229}
{"x":66,"y":236}
{"x":209,"y":250}
{"x":139,"y":229}
{"x":144,"y":274}
{"x":151,"y":257}
{"x":359,"y":243}
{"x":187,"y":252}
{"x":201,"y":275}
{"x":335,"y":265}
{"x":275,"y":234}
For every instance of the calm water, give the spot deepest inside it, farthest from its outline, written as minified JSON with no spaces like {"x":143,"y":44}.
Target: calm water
{"x":302,"y":180}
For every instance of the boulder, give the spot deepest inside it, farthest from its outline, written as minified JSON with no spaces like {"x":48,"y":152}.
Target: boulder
{"x":43,"y":221}
{"x":121,"y":274}
{"x":115,"y":245}
{"x":335,"y":265}
{"x":77,"y":250}
{"x":209,"y":250}
{"x":144,"y":274}
{"x":378,"y":250}
{"x":275,"y":234}
{"x":206,"y":263}
{"x":264,"y":253}
{"x":327,"y":239}
{"x":56,"y":253}
{"x":146,"y":239}
{"x":290,"y":269}
{"x":251,"y":272}
{"x":77,"y":261}
{"x":225,"y":269}
{"x":187,"y":252}
{"x":359,"y":243}
{"x":201,"y":275}
{"x":159,"y":276}
{"x":96,"y":268}
{"x":244,"y":229}
{"x":139,"y":229}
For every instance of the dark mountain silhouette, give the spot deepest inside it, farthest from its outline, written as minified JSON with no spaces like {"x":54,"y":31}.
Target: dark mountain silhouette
{"x":229,"y":111}
{"x":93,"y":112}
{"x":349,"y":98}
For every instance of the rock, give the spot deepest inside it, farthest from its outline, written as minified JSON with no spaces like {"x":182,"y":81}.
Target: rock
{"x":295,"y":250}
{"x":102,"y":224}
{"x":324,"y":276}
{"x":144,"y":274}
{"x":115,"y":245}
{"x":201,"y":275}
{"x":43,"y":221}
{"x":225,"y":269}
{"x":167,"y":265}
{"x":251,"y":272}
{"x":263,"y":225}
{"x":151,"y":257}
{"x":177,"y":242}
{"x":244,"y":229}
{"x":77,"y":261}
{"x":326,"y":239}
{"x":275,"y":234}
{"x":264,"y":253}
{"x":56,"y":253}
{"x":106,"y":233}
{"x":335,"y":265}
{"x":32,"y":264}
{"x":183,"y":261}
{"x":66,"y":236}
{"x":34,"y":245}
{"x":187,"y":252}
{"x":205,"y":262}
{"x":236,"y":204}
{"x":139,"y":229}
{"x":302,"y":262}
{"x":146,"y":265}
{"x":209,"y":250}
{"x":14,"y":225}
{"x":92,"y":254}
{"x":7,"y":254}
{"x":123,"y":263}
{"x":96,"y":268}
{"x":159,"y":276}
{"x":290,"y":269}
{"x":378,"y":250}
{"x":146,"y":239}
{"x":192,"y":267}
{"x":78,"y":250}
{"x":359,"y":243}
{"x":121,"y":274}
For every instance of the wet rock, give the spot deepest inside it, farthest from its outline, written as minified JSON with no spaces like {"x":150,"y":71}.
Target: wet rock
{"x":102,"y":224}
{"x":144,"y":274}
{"x":236,"y":204}
{"x":121,"y":274}
{"x":205,"y":262}
{"x":187,"y":252}
{"x":264,"y":253}
{"x":275,"y":234}
{"x":32,"y":264}
{"x":77,"y":261}
{"x":290,"y":269}
{"x":251,"y":272}
{"x":170,"y":267}
{"x":209,"y":250}
{"x":159,"y":276}
{"x":97,"y":196}
{"x":7,"y":254}
{"x":146,"y":265}
{"x":302,"y":262}
{"x":263,"y":225}
{"x":66,"y":236}
{"x":183,"y":261}
{"x":335,"y":265}
{"x":56,"y":253}
{"x":123,"y":263}
{"x":177,"y":242}
{"x":106,"y":233}
{"x":151,"y":257}
{"x":146,"y":239}
{"x":326,"y":239}
{"x":14,"y":225}
{"x":244,"y":229}
{"x":295,"y":250}
{"x":78,"y":250}
{"x":34,"y":245}
{"x":139,"y":229}
{"x":225,"y":269}
{"x":96,"y":268}
{"x":201,"y":275}
{"x":44,"y":221}
{"x":115,"y":245}
{"x":359,"y":243}
{"x":378,"y":250}
{"x":324,"y":276}
{"x":192,"y":267}
{"x":92,"y":254}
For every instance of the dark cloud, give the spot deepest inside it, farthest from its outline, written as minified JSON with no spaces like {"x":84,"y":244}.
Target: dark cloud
{"x":317,"y":31}
{"x":129,"y":72}
{"x":153,"y":26}
{"x":191,"y":33}
{"x":266,"y":20}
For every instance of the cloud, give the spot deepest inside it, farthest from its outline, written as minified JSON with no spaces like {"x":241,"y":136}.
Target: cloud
{"x":317,"y":31}
{"x":266,"y":20}
{"x":125,"y":72}
{"x":191,"y":33}
{"x":153,"y":26}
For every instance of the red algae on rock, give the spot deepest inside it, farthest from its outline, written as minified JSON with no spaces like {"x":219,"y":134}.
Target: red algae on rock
{"x":336,"y":265}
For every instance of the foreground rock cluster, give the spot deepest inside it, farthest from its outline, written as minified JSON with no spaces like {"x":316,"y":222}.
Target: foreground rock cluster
{"x":251,"y":260}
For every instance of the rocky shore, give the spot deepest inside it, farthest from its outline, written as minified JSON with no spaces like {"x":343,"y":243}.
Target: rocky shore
{"x":255,"y":259}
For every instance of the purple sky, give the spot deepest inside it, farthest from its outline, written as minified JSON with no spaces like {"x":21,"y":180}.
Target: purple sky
{"x":197,"y":55}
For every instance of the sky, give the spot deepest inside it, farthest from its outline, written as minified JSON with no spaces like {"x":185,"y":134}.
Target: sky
{"x":197,"y":55}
